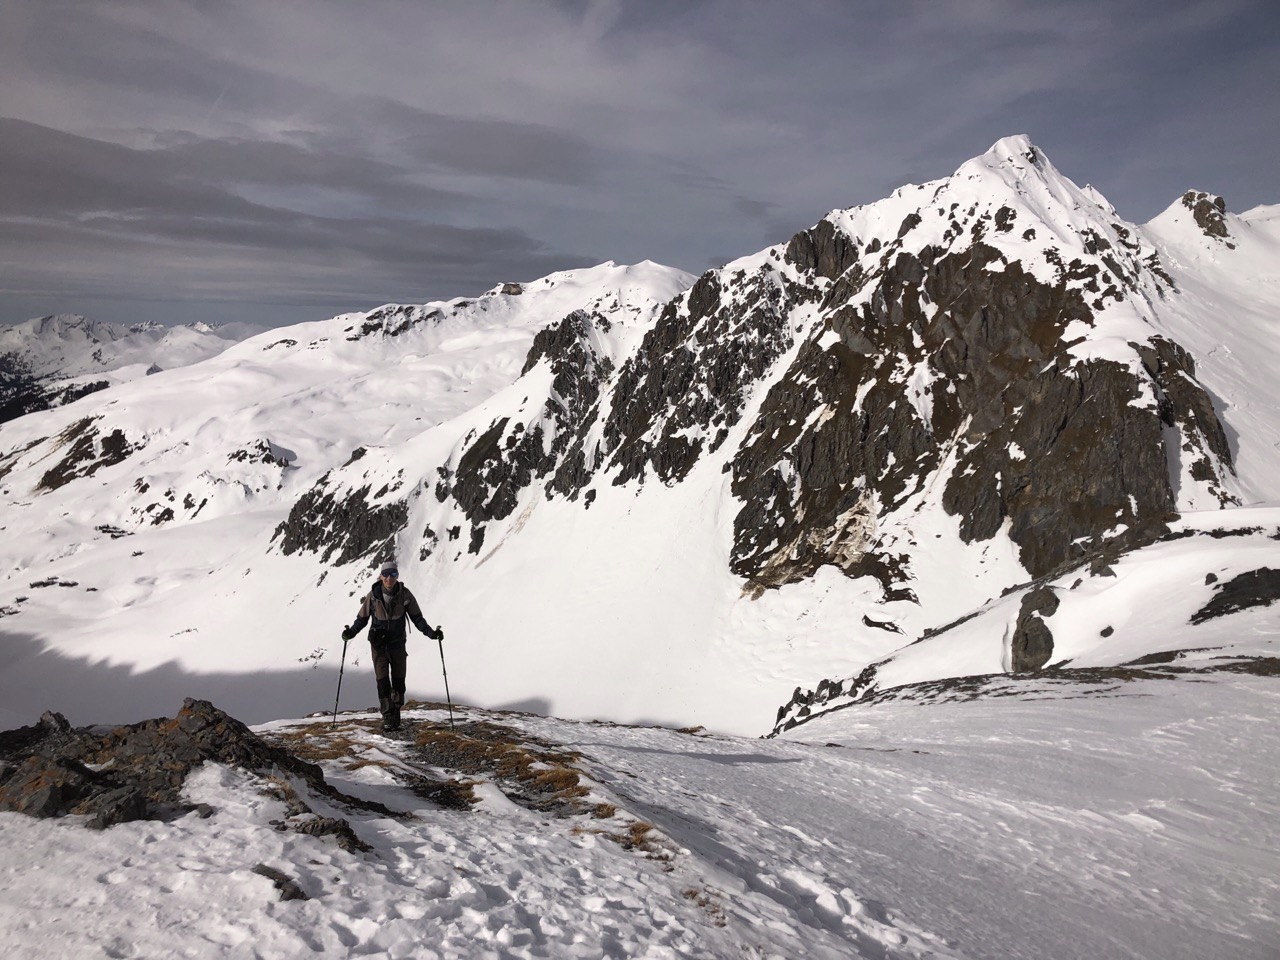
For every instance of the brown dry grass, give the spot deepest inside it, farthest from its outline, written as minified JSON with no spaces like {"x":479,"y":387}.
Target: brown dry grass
{"x":320,"y":742}
{"x":533,"y":774}
{"x":708,"y":902}
{"x":637,"y":835}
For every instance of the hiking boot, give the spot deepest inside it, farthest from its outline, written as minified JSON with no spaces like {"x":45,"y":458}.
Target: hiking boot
{"x":391,"y":717}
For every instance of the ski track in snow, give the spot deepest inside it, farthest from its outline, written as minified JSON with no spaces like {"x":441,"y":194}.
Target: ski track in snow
{"x":1138,"y":820}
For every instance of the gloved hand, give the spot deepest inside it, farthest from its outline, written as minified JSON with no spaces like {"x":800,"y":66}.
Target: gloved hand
{"x":438,"y":634}
{"x":347,"y":633}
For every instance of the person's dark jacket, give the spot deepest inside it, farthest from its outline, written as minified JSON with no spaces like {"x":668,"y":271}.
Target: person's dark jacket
{"x":388,"y":620}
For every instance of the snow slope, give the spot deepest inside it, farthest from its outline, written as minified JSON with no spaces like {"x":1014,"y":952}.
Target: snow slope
{"x":1228,"y":315}
{"x":1052,"y":820}
{"x":159,"y":560}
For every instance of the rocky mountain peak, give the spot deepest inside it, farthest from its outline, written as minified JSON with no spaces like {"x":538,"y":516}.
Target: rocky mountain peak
{"x":1209,"y":212}
{"x":978,"y":345}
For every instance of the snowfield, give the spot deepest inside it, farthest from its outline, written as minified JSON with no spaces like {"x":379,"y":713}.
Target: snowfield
{"x":1047,"y":819}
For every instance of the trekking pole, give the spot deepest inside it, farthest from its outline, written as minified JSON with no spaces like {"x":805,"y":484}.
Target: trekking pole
{"x":445,"y":670}
{"x":341,"y":667}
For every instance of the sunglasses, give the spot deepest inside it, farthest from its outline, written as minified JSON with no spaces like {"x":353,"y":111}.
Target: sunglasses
{"x":393,"y":574}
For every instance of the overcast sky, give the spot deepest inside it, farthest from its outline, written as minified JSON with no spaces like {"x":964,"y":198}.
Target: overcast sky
{"x":279,"y":160}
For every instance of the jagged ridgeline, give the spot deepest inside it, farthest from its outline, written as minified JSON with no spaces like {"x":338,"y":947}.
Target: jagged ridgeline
{"x":984,"y":344}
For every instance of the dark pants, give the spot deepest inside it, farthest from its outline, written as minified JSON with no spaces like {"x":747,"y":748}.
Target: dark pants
{"x":388,"y":668}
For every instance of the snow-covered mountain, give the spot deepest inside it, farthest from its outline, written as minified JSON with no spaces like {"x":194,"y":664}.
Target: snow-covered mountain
{"x":984,"y":425}
{"x":52,"y":360}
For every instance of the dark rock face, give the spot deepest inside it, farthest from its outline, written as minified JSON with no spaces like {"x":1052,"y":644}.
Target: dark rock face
{"x":131,"y":773}
{"x":21,"y":392}
{"x":261,"y":451}
{"x":85,"y":452}
{"x":391,"y":321}
{"x":511,"y":455}
{"x":1209,"y":212}
{"x":823,"y":251}
{"x":289,"y":889}
{"x":1182,"y":402}
{"x":137,"y":771}
{"x":678,"y":396}
{"x":342,"y":525}
{"x":1056,"y":447}
{"x":806,"y":704}
{"x":64,"y":395}
{"x":1256,"y":588}
{"x":1032,"y":641}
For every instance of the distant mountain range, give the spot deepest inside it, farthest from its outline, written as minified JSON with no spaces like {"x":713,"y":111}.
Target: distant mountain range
{"x":53,"y":360}
{"x":982,"y":426}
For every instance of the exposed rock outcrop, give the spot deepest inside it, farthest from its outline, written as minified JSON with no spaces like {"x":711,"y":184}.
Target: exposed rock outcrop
{"x":1031,"y":645}
{"x":512,"y":454}
{"x":85,"y":452}
{"x":392,"y":320}
{"x":343,"y":525}
{"x":137,"y":772}
{"x":1210,"y":214}
{"x":679,"y":395}
{"x":1256,"y":588}
{"x":960,"y":357}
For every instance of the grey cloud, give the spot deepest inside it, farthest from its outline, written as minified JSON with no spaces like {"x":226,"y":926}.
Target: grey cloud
{"x":477,"y":147}
{"x":51,"y":173}
{"x":505,"y":149}
{"x":80,"y":205}
{"x":341,"y":267}
{"x":98,"y":49}
{"x":60,"y":175}
{"x":231,"y":162}
{"x":298,"y":149}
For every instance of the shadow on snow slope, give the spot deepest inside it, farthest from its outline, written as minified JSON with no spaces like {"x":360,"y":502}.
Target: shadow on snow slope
{"x":86,"y":691}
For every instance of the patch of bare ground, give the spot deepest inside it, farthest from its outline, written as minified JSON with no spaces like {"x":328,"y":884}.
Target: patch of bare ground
{"x":324,"y":742}
{"x":532,"y":773}
{"x":709,"y":902}
{"x":537,"y":775}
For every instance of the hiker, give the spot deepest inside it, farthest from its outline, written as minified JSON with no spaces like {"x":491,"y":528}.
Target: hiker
{"x":388,"y":604}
